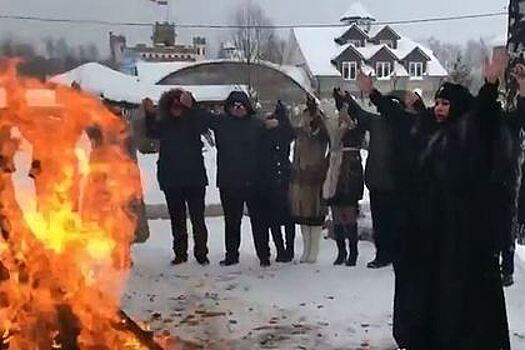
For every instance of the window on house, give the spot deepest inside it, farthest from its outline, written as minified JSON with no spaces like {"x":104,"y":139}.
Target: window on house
{"x":356,"y":43}
{"x":415,"y":69}
{"x":383,"y":70}
{"x":388,"y":43}
{"x":349,"y":70}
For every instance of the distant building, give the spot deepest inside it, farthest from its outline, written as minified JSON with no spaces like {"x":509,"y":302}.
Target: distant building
{"x":334,"y":56}
{"x":499,"y":43}
{"x":164,"y":48}
{"x":229,"y":51}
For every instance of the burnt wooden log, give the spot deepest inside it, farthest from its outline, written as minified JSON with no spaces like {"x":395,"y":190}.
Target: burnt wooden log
{"x":146,"y":338}
{"x":68,"y":328}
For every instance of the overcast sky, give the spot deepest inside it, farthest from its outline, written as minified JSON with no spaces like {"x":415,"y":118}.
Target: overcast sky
{"x":219,"y":12}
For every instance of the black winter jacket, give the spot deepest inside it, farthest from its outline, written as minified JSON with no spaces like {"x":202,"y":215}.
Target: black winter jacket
{"x":180,"y":163}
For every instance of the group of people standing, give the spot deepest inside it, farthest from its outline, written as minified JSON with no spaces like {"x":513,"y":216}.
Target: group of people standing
{"x":442,"y":190}
{"x":253,"y":169}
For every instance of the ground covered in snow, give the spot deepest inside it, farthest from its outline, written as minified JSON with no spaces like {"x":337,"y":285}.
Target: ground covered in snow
{"x":290,"y":306}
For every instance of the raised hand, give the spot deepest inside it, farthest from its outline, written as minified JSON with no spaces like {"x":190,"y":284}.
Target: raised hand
{"x":270,"y":122}
{"x":493,"y":70}
{"x":365,"y":83}
{"x":186,"y":99}
{"x":411,"y":98}
{"x":148,"y":105}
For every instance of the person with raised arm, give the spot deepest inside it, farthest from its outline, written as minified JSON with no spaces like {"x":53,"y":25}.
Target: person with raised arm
{"x":180,"y":169}
{"x":449,"y":293}
{"x":309,"y":166}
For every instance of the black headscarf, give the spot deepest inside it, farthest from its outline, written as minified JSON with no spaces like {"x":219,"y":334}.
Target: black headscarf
{"x":460,"y":98}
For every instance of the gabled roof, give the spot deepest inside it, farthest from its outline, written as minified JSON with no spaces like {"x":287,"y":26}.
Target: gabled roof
{"x":385,"y":29}
{"x":384,"y":48}
{"x":352,"y":27}
{"x":346,"y":48}
{"x":318,"y":47}
{"x":417,"y":49}
{"x":357,"y":11}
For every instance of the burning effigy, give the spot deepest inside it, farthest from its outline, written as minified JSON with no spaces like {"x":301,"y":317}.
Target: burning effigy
{"x":64,"y":262}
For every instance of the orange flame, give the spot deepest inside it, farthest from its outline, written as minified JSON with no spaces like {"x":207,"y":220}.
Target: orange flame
{"x":63,"y":264}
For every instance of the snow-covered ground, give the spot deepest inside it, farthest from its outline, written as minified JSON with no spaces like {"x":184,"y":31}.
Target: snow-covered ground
{"x":282,"y":307}
{"x":291,"y":306}
{"x":520,"y":254}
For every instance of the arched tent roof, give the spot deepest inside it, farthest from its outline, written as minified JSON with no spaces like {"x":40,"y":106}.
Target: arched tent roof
{"x":271,"y":81}
{"x":100,"y":80}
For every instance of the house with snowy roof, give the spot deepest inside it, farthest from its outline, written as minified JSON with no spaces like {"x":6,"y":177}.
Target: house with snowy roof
{"x":333,"y":56}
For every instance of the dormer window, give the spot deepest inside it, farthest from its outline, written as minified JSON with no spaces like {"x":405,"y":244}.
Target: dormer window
{"x":383,"y":70}
{"x":388,"y":43}
{"x":349,"y":70}
{"x":415,"y":69}
{"x":356,"y":43}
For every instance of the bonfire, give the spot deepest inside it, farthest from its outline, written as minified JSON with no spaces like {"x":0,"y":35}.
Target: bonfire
{"x":64,"y":261}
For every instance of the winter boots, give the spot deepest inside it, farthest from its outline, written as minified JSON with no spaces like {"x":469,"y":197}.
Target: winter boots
{"x":341,"y":251}
{"x":507,"y":280}
{"x":311,"y":238}
{"x":342,"y":233}
{"x":285,"y":252}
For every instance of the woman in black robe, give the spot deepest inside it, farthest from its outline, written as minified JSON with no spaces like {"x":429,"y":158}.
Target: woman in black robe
{"x":448,"y":284}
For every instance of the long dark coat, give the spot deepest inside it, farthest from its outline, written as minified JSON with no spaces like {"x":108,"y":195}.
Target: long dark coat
{"x":275,"y":169}
{"x":448,"y":285}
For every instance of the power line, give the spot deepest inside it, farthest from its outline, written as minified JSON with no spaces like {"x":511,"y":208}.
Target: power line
{"x":233,"y":26}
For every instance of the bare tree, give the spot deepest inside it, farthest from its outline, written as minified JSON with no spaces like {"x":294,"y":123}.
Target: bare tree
{"x":461,"y":73}
{"x":10,"y":47}
{"x":446,"y":53}
{"x":464,"y":62}
{"x":475,"y":52}
{"x":254,"y":42}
